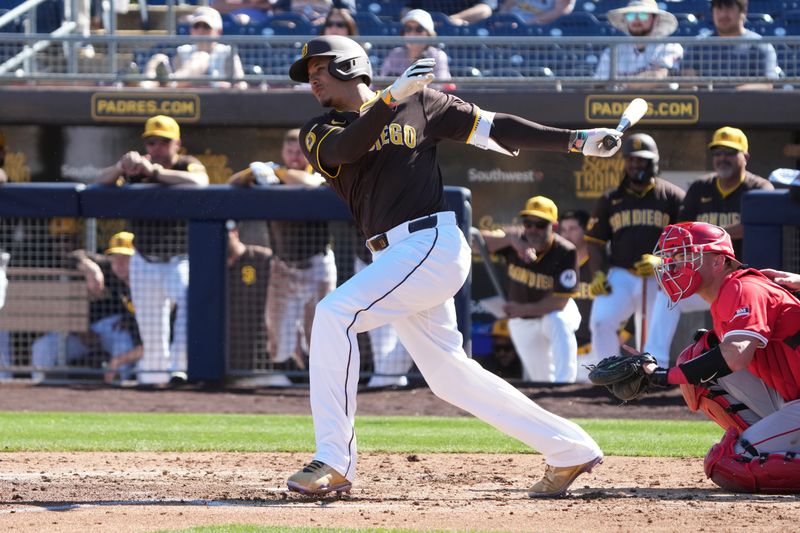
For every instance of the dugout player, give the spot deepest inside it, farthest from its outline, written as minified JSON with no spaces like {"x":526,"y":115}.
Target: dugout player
{"x":630,"y":218}
{"x":378,"y":151}
{"x":715,"y":199}
{"x":756,"y":359}
{"x":543,"y":279}
{"x":159,"y":274}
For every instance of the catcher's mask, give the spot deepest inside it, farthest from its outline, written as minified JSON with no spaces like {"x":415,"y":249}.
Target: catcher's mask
{"x":681,"y":248}
{"x":348,"y":59}
{"x":643,"y":146}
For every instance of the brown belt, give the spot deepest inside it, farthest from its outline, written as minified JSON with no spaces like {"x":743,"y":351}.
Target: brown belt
{"x":381,"y":241}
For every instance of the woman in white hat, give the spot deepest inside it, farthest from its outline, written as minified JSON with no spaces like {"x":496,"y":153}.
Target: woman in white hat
{"x":642,"y":18}
{"x":416,"y":23}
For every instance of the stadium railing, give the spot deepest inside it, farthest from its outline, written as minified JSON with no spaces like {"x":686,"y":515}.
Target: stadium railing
{"x":551,"y":62}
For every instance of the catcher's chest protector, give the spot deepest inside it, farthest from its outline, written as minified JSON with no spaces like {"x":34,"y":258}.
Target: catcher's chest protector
{"x":773,"y":473}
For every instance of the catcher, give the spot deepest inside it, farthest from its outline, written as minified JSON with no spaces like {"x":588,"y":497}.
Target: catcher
{"x":748,"y":380}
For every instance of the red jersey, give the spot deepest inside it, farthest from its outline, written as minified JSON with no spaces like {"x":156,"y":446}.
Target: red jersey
{"x":750,"y":304}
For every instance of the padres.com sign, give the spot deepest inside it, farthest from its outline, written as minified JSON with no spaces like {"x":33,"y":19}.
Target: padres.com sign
{"x":138,"y":106}
{"x":663,"y":109}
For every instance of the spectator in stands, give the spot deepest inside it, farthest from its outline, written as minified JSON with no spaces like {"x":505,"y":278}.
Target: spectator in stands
{"x":245,"y":12}
{"x":314,"y":10}
{"x":642,"y":18}
{"x":207,"y":59}
{"x":159,"y":274}
{"x":504,"y":360}
{"x":542,"y":275}
{"x":339,"y":22}
{"x":248,"y":277}
{"x":460,"y":12}
{"x":416,"y":23}
{"x":303,"y":266}
{"x":113,"y":332}
{"x":537,"y":11}
{"x":748,"y":58}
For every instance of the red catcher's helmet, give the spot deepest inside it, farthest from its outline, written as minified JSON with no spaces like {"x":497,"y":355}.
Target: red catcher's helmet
{"x":348,"y":59}
{"x":680,"y":248}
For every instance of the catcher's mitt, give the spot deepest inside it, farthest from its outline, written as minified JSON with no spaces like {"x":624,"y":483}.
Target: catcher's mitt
{"x":623,"y":375}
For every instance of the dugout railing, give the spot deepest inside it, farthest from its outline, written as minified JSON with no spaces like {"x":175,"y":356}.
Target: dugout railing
{"x":772,"y":229}
{"x":41,"y":220}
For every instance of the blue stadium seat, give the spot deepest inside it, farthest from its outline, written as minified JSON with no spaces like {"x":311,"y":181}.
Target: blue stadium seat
{"x":370,"y":24}
{"x":761,"y":23}
{"x":443,"y":26}
{"x":599,"y":8}
{"x":700,"y":8}
{"x":790,"y":21}
{"x":577,"y":24}
{"x":773,"y":7}
{"x":689,"y":25}
{"x":381,"y":8}
{"x":508,"y":24}
{"x":288,"y":24}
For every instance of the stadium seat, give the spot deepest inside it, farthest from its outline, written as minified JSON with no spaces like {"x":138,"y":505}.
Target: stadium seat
{"x":700,"y":8}
{"x":761,"y":23}
{"x":381,"y":8}
{"x":689,"y":25}
{"x":577,"y":24}
{"x":508,"y":24}
{"x":288,"y":24}
{"x":370,"y":24}
{"x":599,"y":8}
{"x":790,"y":21}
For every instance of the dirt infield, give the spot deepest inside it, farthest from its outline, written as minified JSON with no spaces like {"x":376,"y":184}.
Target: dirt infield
{"x":124,"y":492}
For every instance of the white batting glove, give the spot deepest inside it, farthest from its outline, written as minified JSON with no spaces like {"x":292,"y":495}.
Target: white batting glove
{"x":413,"y":80}
{"x":264,"y":173}
{"x":590,"y":142}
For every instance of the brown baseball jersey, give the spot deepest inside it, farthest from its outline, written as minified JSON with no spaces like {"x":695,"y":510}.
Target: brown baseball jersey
{"x":158,"y":240}
{"x":402,"y":162}
{"x":706,"y":201}
{"x":633,"y":221}
{"x":248,"y":278}
{"x":553,"y":272}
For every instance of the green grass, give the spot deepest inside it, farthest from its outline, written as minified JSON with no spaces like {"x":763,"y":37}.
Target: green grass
{"x":57,"y":432}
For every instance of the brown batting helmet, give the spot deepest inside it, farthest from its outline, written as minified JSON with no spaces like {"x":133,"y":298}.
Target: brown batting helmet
{"x":348,"y":59}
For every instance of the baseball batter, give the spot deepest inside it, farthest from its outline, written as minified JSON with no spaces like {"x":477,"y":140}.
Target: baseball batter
{"x":754,"y":358}
{"x":631,"y":217}
{"x":378,"y":152}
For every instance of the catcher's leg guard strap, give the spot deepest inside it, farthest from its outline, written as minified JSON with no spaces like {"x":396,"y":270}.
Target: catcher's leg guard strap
{"x":765,"y":474}
{"x":716,"y":406}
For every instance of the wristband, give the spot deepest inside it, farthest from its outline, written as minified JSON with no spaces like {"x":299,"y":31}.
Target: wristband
{"x":388,"y":99}
{"x":576,"y":140}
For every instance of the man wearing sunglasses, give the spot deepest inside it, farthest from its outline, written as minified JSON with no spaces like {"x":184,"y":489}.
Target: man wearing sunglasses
{"x":715,"y":199}
{"x":201,"y":59}
{"x":542,"y":282}
{"x":641,"y":19}
{"x":159,"y":270}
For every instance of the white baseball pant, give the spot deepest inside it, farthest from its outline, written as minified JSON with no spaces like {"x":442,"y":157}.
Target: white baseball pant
{"x":155,"y":288}
{"x":293,"y":294}
{"x":547,"y":346}
{"x":411,"y":285}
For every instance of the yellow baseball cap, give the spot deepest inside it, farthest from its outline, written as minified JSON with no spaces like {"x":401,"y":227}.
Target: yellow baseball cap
{"x":162,"y":126}
{"x":500,"y":328}
{"x":120,"y":243}
{"x":542,"y":207}
{"x":730,"y":137}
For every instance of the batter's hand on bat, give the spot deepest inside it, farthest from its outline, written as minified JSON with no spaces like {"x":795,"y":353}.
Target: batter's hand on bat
{"x":413,"y":80}
{"x":590,"y":142}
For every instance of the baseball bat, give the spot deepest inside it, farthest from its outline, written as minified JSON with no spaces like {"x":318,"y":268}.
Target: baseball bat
{"x":632,"y":114}
{"x":643,"y":326}
{"x":487,"y":261}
